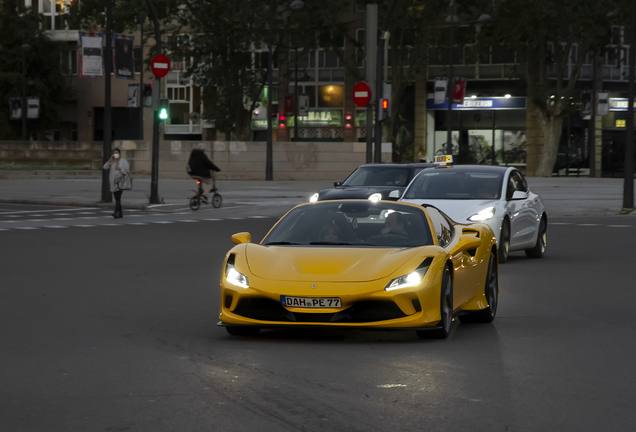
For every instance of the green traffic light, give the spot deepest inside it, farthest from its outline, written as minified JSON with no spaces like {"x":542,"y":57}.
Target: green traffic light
{"x":163,"y":114}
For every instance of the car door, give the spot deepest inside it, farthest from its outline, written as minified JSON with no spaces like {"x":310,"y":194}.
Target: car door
{"x":522,"y":211}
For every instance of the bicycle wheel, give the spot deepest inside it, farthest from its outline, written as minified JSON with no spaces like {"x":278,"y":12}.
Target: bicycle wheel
{"x":195,"y":203}
{"x":217,"y":200}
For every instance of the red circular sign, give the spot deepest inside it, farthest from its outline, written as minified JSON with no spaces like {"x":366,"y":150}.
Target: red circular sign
{"x":160,"y":65}
{"x":361,"y":94}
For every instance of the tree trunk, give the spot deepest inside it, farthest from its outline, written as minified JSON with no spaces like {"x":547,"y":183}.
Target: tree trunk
{"x":551,"y":127}
{"x":243,"y":129}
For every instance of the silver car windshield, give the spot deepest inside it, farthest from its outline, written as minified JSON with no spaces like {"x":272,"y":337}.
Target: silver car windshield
{"x":455,"y":185}
{"x":379,"y":176}
{"x":352,"y":223}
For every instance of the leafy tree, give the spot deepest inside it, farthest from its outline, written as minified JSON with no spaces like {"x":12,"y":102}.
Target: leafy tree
{"x":548,"y":37}
{"x":414,"y":27}
{"x":19,"y":26}
{"x":223,"y":44}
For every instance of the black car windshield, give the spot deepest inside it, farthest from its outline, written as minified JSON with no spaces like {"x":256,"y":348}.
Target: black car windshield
{"x":455,"y":185}
{"x":352,"y":224}
{"x":379,"y":176}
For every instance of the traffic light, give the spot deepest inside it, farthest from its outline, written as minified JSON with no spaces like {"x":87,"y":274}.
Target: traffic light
{"x":147,"y":95}
{"x":164,"y":108}
{"x":384,"y":114}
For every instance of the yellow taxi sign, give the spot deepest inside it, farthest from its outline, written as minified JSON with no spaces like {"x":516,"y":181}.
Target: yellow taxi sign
{"x":443,"y":159}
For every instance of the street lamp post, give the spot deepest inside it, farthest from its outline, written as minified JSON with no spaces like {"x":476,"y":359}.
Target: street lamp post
{"x":628,"y":181}
{"x":451,"y":19}
{"x":269,"y":165}
{"x":25,"y":48}
{"x":296,"y":97}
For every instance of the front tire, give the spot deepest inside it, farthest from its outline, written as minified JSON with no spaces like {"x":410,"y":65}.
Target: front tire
{"x":491,"y":291}
{"x":242,"y":330}
{"x":446,"y":310}
{"x":542,"y":241}
{"x":504,"y":247}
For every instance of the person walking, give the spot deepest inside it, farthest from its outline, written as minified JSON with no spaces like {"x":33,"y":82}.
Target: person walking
{"x":116,"y":164}
{"x":199,"y":167}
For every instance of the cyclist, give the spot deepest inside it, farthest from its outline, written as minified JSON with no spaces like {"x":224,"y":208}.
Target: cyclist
{"x":199,"y":167}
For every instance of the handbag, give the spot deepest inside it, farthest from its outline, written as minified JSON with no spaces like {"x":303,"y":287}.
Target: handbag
{"x":123,"y":180}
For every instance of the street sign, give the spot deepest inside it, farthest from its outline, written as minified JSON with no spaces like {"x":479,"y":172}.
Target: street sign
{"x":361,"y":94}
{"x":160,"y":65}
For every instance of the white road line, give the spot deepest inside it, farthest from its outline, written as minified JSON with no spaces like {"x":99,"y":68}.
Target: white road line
{"x":188,"y":220}
{"x":212,"y":219}
{"x":590,"y":225}
{"x":62,"y":214}
{"x":257,"y":217}
{"x":63,"y":219}
{"x":56,"y":226}
{"x":110,"y":224}
{"x":26,"y":228}
{"x":46,"y":211}
{"x":620,"y":226}
{"x":136,"y":223}
{"x":19,"y":215}
{"x":12,"y":221}
{"x":560,"y":223}
{"x":85,"y":226}
{"x":236,"y":218}
{"x":5,"y":229}
{"x":85,"y":213}
{"x":35,"y":220}
{"x":163,"y":222}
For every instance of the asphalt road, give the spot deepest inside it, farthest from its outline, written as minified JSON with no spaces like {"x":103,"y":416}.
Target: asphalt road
{"x":110,"y":325}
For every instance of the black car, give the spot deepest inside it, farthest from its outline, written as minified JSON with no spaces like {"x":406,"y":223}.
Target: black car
{"x":371,"y":179}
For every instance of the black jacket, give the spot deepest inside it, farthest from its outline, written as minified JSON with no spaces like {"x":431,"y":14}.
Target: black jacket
{"x":199,"y":165}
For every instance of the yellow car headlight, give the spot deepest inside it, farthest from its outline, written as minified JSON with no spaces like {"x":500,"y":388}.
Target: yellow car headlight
{"x":410,"y":280}
{"x":235,"y":278}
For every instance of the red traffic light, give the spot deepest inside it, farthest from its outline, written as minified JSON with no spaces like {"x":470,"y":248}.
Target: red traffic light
{"x":385,"y":104}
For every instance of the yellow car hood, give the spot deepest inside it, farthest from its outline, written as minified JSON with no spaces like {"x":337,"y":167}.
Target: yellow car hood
{"x":328,"y":264}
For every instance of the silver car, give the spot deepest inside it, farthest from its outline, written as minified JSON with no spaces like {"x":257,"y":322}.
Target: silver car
{"x":498,"y":196}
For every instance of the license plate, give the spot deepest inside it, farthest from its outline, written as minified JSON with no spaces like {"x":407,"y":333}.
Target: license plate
{"x":309,"y":302}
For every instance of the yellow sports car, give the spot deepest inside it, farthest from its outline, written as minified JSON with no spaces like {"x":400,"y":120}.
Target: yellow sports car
{"x":361,"y":264}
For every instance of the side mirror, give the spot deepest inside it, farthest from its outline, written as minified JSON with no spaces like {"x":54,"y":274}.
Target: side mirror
{"x":337,"y":183}
{"x":395,"y":195}
{"x":242,"y":237}
{"x":519,"y":195}
{"x":466,"y":242}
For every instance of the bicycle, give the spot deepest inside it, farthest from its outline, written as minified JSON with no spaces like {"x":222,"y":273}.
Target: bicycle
{"x":195,"y":201}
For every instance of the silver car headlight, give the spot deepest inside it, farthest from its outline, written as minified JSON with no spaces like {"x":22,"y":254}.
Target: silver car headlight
{"x":410,"y":280}
{"x":235,"y":278}
{"x":485,"y":214}
{"x":313,"y":198}
{"x":375,"y":197}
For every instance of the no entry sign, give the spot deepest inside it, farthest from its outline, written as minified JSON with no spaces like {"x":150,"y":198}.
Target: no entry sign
{"x":160,"y":65}
{"x":361,"y":94}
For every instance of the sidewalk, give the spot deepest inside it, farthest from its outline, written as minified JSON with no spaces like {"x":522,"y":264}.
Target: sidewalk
{"x":563,"y":196}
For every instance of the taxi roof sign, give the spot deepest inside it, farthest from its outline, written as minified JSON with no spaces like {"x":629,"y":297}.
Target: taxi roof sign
{"x":443,"y":160}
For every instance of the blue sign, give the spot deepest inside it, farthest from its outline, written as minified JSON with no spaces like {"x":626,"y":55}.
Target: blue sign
{"x":619,"y":104}
{"x":494,"y":103}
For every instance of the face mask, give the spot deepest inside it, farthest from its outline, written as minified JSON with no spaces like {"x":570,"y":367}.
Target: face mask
{"x":116,"y":155}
